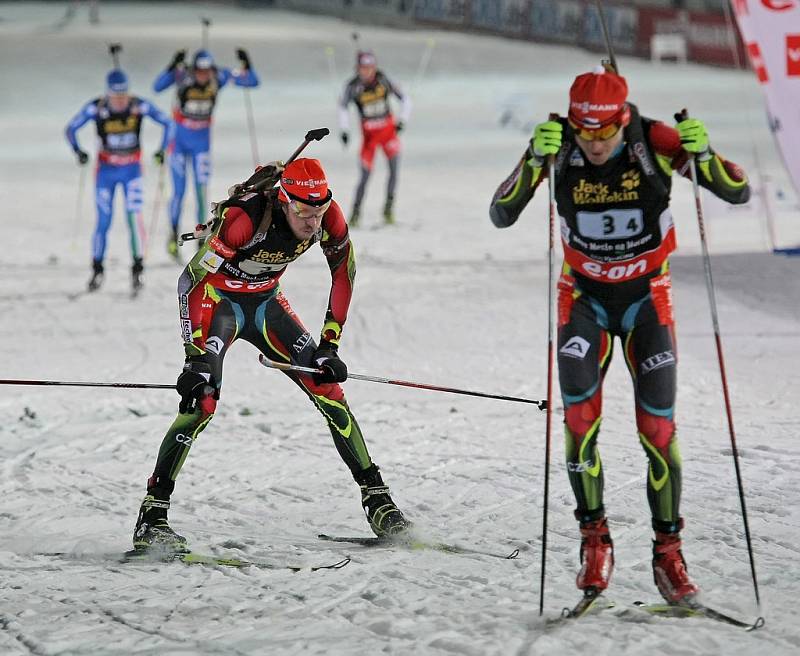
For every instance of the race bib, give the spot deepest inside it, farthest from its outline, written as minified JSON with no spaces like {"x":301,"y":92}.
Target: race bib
{"x":611,"y":224}
{"x":121,"y":140}
{"x":377,"y":108}
{"x":198,"y":107}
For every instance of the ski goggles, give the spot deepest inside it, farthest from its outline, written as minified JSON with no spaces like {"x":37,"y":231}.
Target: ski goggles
{"x":598,"y":134}
{"x":305,"y":212}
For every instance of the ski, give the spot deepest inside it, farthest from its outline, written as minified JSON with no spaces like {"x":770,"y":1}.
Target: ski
{"x":696,"y":609}
{"x":414,"y":544}
{"x":591,"y":602}
{"x":195,"y":558}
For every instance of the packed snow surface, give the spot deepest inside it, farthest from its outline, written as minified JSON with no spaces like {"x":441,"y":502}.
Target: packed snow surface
{"x":442,"y":297}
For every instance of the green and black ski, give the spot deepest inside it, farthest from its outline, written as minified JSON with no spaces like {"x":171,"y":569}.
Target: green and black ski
{"x":414,"y":544}
{"x":193,"y":558}
{"x":592,"y":602}
{"x":696,"y":609}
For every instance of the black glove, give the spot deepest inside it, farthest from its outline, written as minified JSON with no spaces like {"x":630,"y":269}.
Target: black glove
{"x":244,"y":58}
{"x":399,"y":127}
{"x":193,"y":383}
{"x":177,"y":60}
{"x":82,"y":156}
{"x":327,"y":359}
{"x":345,"y":137}
{"x":158,"y":157}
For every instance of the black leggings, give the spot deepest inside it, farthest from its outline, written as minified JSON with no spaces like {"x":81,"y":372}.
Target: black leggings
{"x":640,"y":314}
{"x":269,"y":323}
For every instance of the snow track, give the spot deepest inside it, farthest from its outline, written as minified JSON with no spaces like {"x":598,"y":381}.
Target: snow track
{"x":442,"y":298}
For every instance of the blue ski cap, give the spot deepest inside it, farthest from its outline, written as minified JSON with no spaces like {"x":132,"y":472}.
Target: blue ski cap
{"x":117,"y":82}
{"x":203,"y":60}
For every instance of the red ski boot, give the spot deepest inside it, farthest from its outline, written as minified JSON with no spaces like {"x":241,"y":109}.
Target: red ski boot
{"x":669,"y":569}
{"x":597,"y":556}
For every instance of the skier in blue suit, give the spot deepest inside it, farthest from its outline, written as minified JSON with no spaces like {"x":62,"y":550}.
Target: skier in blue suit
{"x":118,"y":119}
{"x":197,"y":87}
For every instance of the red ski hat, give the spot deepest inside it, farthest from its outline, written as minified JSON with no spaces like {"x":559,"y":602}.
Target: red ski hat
{"x":597,"y":99}
{"x":304,"y":180}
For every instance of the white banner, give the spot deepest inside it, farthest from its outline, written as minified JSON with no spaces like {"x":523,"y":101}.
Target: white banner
{"x":771,"y":32}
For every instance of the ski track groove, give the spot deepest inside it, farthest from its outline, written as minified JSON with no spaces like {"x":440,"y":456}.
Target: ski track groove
{"x":32,"y":646}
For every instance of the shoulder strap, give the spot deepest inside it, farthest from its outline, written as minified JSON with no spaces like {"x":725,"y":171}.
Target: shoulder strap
{"x":567,"y":145}
{"x":640,"y":149}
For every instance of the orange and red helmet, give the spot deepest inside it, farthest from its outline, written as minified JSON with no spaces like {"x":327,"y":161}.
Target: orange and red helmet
{"x":597,"y":101}
{"x":304,"y":181}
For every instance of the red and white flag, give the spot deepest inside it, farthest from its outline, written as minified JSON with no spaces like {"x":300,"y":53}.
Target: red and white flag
{"x":771,"y":32}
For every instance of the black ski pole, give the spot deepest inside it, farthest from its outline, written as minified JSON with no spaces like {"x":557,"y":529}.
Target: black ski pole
{"x":64,"y":383}
{"x":550,"y":361}
{"x":607,"y":36}
{"x":251,"y":125}
{"x":78,"y":206}
{"x":712,"y":301}
{"x":206,"y":24}
{"x":114,"y":49}
{"x":285,"y":366}
{"x":312,"y":135}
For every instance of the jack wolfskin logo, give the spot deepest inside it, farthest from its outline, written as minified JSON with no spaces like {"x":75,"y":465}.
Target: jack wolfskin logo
{"x":576,"y":347}
{"x":630,"y":179}
{"x":657,"y":361}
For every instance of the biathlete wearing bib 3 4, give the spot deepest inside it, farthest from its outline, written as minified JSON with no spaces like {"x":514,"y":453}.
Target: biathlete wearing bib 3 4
{"x":612,"y":186}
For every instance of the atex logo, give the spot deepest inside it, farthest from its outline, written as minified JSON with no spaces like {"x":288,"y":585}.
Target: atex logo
{"x":301,"y":342}
{"x":576,"y":347}
{"x":657,"y":361}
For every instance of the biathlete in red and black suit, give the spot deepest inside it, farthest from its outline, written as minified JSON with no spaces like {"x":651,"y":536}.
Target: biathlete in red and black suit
{"x":230,"y":290}
{"x":370,"y":90}
{"x":612,"y":186}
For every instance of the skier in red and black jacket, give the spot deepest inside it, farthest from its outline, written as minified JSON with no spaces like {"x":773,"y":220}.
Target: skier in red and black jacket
{"x":369,"y":90}
{"x":230,"y":290}
{"x":613,"y":172}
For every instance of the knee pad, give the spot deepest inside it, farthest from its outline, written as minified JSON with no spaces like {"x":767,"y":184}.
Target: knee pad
{"x":657,"y":430}
{"x":580,"y":417}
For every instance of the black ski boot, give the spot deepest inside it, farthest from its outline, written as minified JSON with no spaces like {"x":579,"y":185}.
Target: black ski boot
{"x":388,"y":212}
{"x":153,"y":531}
{"x":136,"y":275}
{"x":97,"y":276}
{"x":385,"y":519}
